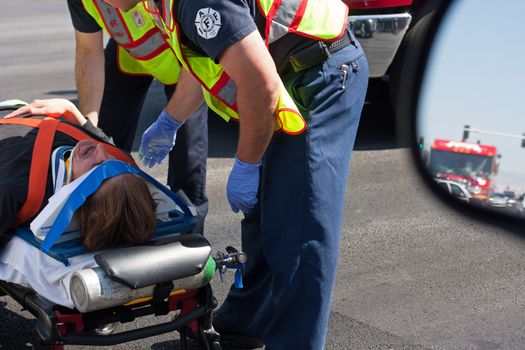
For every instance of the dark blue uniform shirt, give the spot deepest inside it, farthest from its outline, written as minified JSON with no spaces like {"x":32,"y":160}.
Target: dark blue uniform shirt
{"x":210,"y":26}
{"x":215,"y":25}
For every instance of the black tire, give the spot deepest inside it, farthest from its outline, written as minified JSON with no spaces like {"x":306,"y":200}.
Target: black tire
{"x":402,"y":73}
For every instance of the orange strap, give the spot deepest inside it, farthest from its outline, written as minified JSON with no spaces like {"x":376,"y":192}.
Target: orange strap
{"x":38,"y":171}
{"x":73,"y":132}
{"x":41,"y":156}
{"x":35,"y":123}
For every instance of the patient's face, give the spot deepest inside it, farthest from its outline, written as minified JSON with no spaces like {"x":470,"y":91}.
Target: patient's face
{"x":87,"y":155}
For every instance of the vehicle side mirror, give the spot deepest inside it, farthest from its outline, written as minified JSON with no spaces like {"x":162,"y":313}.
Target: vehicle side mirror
{"x":466,"y":106}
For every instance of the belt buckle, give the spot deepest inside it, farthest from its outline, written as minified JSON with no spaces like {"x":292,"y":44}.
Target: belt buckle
{"x":324,"y":49}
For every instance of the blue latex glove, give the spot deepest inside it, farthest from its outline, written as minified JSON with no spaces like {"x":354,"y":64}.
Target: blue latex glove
{"x":158,"y":140}
{"x":243,"y":184}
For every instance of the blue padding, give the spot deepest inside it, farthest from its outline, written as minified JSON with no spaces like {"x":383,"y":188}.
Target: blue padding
{"x":61,"y":251}
{"x":178,"y":222}
{"x":89,"y":186}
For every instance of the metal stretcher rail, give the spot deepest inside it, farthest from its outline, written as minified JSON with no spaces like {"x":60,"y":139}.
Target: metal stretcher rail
{"x":59,"y":325}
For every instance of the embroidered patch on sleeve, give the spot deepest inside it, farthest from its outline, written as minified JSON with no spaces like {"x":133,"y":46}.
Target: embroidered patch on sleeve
{"x":208,"y":22}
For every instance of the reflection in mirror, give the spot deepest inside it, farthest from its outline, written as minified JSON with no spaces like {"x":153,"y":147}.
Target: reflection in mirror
{"x":471,"y":119}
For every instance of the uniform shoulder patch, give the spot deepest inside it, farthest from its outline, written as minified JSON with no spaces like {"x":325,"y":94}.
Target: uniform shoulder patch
{"x":208,"y":22}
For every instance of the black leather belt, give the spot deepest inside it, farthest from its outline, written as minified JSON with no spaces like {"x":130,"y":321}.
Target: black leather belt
{"x":317,"y":53}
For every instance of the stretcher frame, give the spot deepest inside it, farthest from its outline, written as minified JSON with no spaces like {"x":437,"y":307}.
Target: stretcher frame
{"x":58,"y":326}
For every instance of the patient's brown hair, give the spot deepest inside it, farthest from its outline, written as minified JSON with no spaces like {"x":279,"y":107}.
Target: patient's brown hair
{"x":121,"y":211}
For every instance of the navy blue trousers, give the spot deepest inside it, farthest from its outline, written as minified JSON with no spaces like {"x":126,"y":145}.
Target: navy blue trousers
{"x":292,"y":237}
{"x":122,"y":103}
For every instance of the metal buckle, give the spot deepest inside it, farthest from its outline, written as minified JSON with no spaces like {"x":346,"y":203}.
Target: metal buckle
{"x":325,"y":49}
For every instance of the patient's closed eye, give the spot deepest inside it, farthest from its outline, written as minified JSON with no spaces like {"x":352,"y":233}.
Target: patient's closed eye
{"x":86,"y":150}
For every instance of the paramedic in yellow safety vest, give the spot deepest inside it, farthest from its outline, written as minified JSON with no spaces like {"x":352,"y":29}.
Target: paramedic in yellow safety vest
{"x":112,"y":83}
{"x":293,"y":67}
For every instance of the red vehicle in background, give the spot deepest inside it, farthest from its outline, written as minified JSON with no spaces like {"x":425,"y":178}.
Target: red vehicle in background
{"x":472,"y":164}
{"x":391,"y":33}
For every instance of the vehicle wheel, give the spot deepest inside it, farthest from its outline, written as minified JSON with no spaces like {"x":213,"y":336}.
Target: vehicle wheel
{"x":363,"y":31}
{"x":402,"y":74}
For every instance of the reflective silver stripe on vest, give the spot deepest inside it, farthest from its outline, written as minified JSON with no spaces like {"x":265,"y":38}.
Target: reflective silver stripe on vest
{"x":283,"y":19}
{"x":147,"y":47}
{"x":166,"y":8}
{"x":153,"y":10}
{"x":114,"y":24}
{"x":228,"y":93}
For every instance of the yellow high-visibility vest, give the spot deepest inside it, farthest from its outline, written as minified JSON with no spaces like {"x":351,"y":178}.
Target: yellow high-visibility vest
{"x":318,"y":19}
{"x":142,"y":49}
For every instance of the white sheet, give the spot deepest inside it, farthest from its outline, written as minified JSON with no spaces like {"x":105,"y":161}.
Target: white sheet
{"x":23,"y":264}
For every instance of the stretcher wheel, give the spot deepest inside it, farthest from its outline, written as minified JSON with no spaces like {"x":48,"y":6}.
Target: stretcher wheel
{"x":205,"y":339}
{"x":39,"y":344}
{"x":208,"y":340}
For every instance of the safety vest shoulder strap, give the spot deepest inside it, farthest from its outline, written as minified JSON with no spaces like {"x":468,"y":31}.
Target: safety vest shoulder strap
{"x":218,"y":88}
{"x":133,"y":30}
{"x":41,"y":158}
{"x":317,"y":19}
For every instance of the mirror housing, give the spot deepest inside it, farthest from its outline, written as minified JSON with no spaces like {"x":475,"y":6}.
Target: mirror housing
{"x":416,"y":70}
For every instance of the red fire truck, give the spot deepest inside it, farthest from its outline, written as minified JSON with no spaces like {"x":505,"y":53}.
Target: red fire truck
{"x":472,"y":164}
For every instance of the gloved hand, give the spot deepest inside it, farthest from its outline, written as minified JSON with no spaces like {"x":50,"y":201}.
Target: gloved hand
{"x":158,"y":139}
{"x":243,"y":184}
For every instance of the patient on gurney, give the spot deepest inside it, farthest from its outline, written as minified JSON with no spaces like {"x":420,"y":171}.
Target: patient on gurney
{"x":120,"y":211}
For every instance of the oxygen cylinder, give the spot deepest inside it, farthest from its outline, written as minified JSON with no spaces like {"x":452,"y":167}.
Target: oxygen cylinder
{"x":92,"y":289}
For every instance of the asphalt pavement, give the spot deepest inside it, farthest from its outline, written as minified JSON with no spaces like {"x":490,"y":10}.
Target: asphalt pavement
{"x":413,"y":273}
